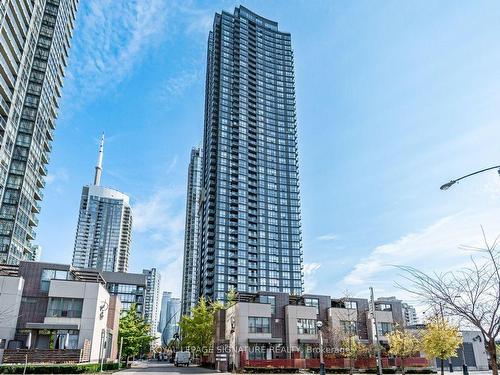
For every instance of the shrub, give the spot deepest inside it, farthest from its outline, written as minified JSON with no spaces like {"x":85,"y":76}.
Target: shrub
{"x":384,"y":371}
{"x":420,"y":371}
{"x":58,"y":369}
{"x":271,"y":370}
{"x":331,"y":370}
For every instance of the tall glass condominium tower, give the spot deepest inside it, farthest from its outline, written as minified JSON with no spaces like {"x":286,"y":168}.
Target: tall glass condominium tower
{"x":104,"y":230}
{"x":250,"y":219}
{"x":192,"y":232}
{"x":34,"y":43}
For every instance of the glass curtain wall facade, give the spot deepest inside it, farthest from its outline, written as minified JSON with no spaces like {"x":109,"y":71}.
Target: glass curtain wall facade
{"x":169,"y":317}
{"x":250,"y":219}
{"x":152,"y":299}
{"x":34,"y":43}
{"x":104,"y":230}
{"x":192,"y":232}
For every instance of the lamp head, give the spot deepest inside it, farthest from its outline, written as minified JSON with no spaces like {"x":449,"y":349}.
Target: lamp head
{"x":448,"y":185}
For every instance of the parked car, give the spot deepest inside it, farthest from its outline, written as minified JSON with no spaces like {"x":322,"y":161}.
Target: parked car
{"x":182,"y":358}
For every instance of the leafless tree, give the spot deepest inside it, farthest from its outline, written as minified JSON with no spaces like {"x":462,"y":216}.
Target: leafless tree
{"x":471,"y":294}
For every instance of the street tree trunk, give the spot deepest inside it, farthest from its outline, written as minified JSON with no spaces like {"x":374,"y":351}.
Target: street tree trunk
{"x":442,"y":366}
{"x":492,"y":350}
{"x":402,"y":366}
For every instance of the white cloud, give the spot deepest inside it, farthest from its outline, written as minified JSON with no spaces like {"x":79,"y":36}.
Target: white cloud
{"x":432,"y":249}
{"x":110,"y":39}
{"x":158,"y":212}
{"x":159,"y":223}
{"x":328,"y":237}
{"x":175,"y":87}
{"x":310,"y":270}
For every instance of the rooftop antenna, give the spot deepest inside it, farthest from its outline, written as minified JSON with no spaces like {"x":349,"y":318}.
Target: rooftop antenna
{"x":98,"y":167}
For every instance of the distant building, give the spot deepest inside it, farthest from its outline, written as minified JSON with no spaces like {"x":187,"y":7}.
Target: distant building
{"x":409,"y":314}
{"x":35,"y":39}
{"x":47,"y":307}
{"x":152,"y":299}
{"x":104,"y":228}
{"x":169,"y":317}
{"x":36,"y":253}
{"x":129,"y":287}
{"x":192,"y":232}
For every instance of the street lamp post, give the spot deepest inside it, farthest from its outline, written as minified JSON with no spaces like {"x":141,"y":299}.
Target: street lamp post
{"x":319,"y":324}
{"x":464,"y":364}
{"x":453,"y":182}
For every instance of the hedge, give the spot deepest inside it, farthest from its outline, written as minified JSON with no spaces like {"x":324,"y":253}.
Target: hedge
{"x":271,"y":370}
{"x":58,"y":369}
{"x":384,"y":371}
{"x":331,"y":370}
{"x":425,"y":370}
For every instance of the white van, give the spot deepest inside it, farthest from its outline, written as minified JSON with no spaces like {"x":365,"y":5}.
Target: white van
{"x":182,"y":358}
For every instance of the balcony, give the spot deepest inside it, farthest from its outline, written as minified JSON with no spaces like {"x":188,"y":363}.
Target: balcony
{"x":30,"y":234}
{"x":40,"y":182}
{"x":47,"y":146}
{"x":35,"y":207}
{"x":43,"y":170}
{"x":33,"y":221}
{"x":38,"y":195}
{"x":4,"y":107}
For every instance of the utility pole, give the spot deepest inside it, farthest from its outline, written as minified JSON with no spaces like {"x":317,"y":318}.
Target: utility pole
{"x":374,"y":317}
{"x":120,"y":353}
{"x":319,"y":325}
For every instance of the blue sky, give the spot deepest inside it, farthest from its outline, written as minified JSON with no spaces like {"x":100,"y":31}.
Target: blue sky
{"x":393,"y":99}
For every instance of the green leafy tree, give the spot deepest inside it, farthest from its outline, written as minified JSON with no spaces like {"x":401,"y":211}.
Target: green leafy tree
{"x":135,"y":333}
{"x":440,"y":339}
{"x":197,"y":330}
{"x":403,"y":344}
{"x":231,"y":297}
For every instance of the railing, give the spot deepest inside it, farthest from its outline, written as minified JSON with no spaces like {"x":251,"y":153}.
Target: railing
{"x":361,"y":363}
{"x":42,"y":355}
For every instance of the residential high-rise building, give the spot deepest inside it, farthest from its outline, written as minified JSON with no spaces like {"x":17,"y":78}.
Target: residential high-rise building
{"x":152,"y":299}
{"x":104,"y":230}
{"x":409,"y":314}
{"x":131,"y":289}
{"x":37,"y":253}
{"x":34,"y":43}
{"x":250,"y":220}
{"x":192,"y":233}
{"x":169,"y":317}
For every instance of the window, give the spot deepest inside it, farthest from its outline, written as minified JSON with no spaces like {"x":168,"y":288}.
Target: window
{"x":312,"y":302}
{"x":384,"y":328}
{"x":306,"y":326}
{"x":65,"y":307}
{"x":271,"y":300}
{"x":383,"y":307}
{"x":259,"y":325}
{"x":351,"y":305}
{"x":349,"y":327}
{"x":48,"y":275}
{"x":257,"y":351}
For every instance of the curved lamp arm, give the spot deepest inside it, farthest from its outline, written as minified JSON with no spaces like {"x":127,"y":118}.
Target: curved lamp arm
{"x":453,"y":182}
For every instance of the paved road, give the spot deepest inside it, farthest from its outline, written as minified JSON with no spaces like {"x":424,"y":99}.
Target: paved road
{"x":166,"y":368}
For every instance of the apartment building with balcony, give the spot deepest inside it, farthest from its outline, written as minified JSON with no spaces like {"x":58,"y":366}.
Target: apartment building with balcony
{"x":34,"y":45}
{"x":250,"y":223}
